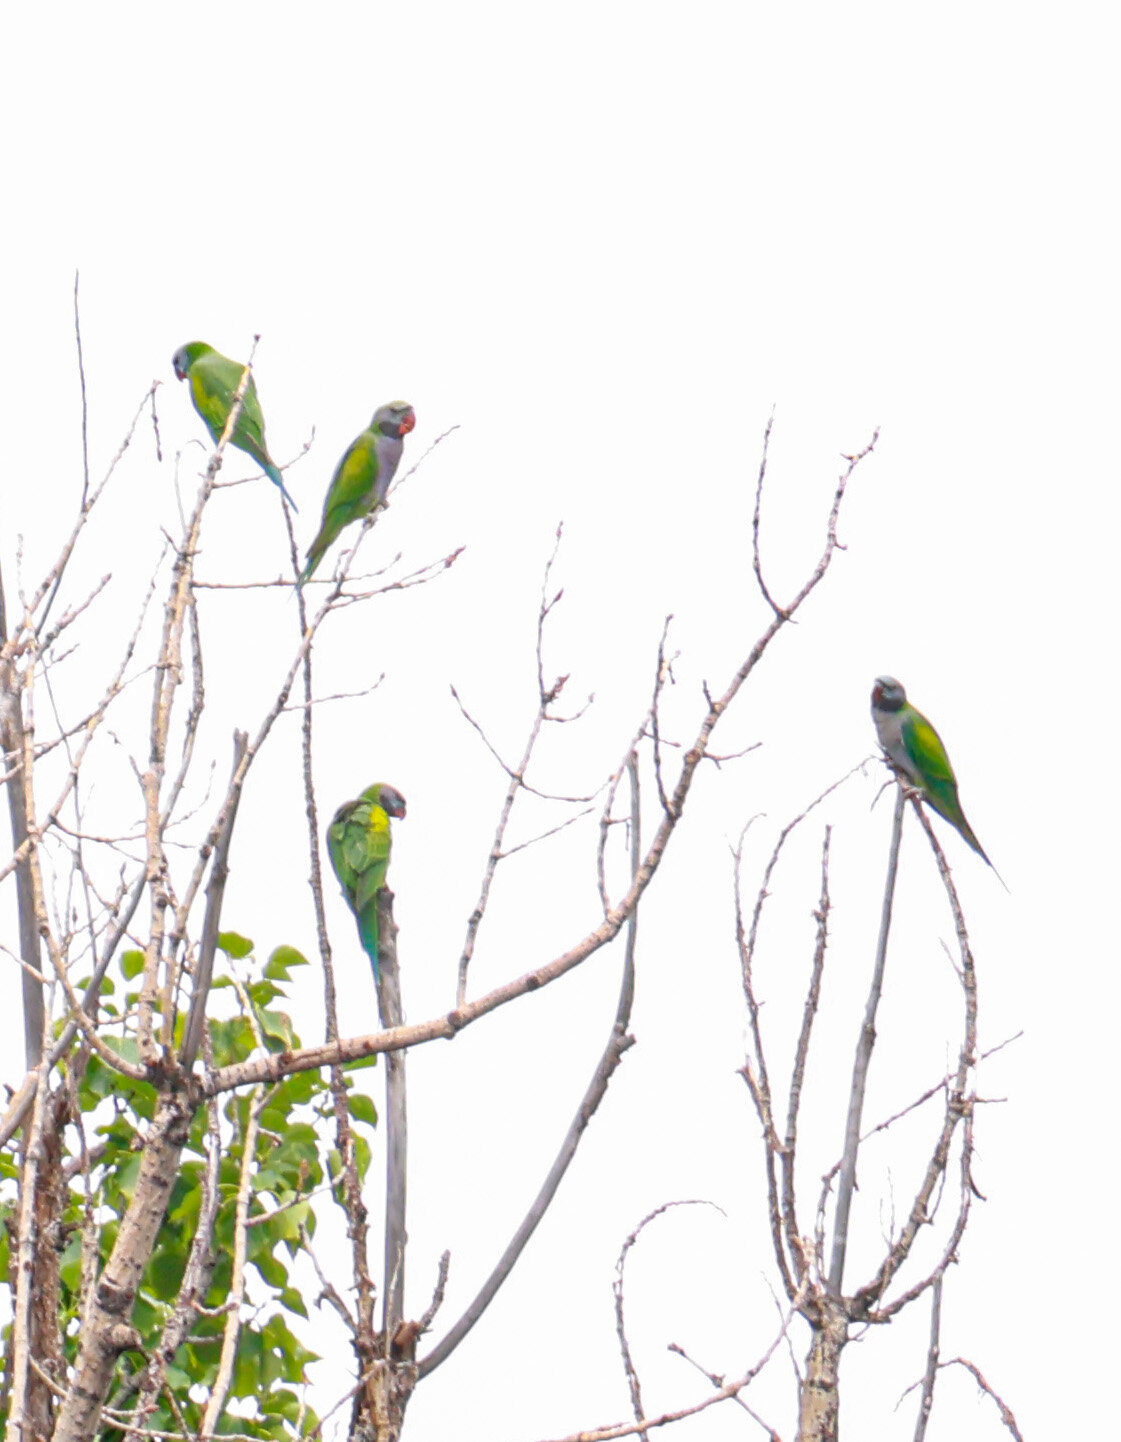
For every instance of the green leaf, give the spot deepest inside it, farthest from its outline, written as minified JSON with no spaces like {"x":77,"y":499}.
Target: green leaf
{"x":300,"y":1138}
{"x":234,"y":945}
{"x":272,"y":1270}
{"x":132,"y":964}
{"x":106,"y":985}
{"x":281,"y":960}
{"x":282,"y":1403}
{"x":123,"y":1178}
{"x":300,"y":1087}
{"x":165,"y":1270}
{"x":148,"y":1317}
{"x":125,"y":1047}
{"x":293,"y":1301}
{"x":262,"y":992}
{"x":247,"y":1372}
{"x":278,"y":1335}
{"x":188,"y":1209}
{"x":361,"y":1063}
{"x":232,"y":1040}
{"x":70,"y":1263}
{"x":277,"y":1026}
{"x":285,"y":1225}
{"x":268,"y":1179}
{"x":362,"y":1108}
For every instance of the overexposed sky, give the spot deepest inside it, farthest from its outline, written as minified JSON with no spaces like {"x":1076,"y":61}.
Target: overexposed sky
{"x":604,"y":241}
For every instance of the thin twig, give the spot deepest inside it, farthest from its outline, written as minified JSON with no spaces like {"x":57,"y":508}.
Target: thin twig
{"x":958,"y":1110}
{"x":396,"y":1120}
{"x":798,"y":1070}
{"x":215,"y":891}
{"x":617,"y":1291}
{"x":1006,"y":1414}
{"x":867,"y":1039}
{"x":729,"y":1390}
{"x":85,"y":405}
{"x":718,"y":1381}
{"x":429,"y":1314}
{"x":785,"y":1235}
{"x":931,"y":1373}
{"x":756,"y":560}
{"x":618,"y":1043}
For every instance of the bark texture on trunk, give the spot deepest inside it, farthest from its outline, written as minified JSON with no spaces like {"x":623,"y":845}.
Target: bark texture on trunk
{"x":818,"y":1412}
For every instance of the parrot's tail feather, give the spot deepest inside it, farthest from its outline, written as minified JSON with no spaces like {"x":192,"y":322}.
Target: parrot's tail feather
{"x":968,"y":833}
{"x":993,"y":869}
{"x":313,"y":559}
{"x":278,"y":480}
{"x":368,"y":932}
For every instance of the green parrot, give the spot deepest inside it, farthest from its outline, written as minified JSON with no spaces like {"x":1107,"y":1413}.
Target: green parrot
{"x":362,"y":477}
{"x":358,"y":843}
{"x":214,"y":380}
{"x":917,"y":755}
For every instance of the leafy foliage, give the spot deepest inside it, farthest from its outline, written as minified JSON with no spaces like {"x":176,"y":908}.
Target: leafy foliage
{"x":290,"y":1163}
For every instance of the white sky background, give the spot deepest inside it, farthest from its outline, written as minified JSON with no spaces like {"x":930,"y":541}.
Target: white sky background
{"x":604,"y":243}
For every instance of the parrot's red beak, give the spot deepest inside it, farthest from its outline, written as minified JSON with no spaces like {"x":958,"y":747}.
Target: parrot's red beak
{"x":407,"y":423}
{"x":179,"y":375}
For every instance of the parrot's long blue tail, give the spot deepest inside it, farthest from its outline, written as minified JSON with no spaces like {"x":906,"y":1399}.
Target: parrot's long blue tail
{"x":368,"y":932}
{"x":278,"y":480}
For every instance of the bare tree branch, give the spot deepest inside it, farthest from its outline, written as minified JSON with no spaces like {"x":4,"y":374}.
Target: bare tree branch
{"x":927,"y":1401}
{"x":1006,"y":1414}
{"x":617,"y":1290}
{"x":863,"y":1059}
{"x":221,"y":834}
{"x":729,"y":1390}
{"x":396,"y":1125}
{"x":719,"y":1381}
{"x":618,"y":1042}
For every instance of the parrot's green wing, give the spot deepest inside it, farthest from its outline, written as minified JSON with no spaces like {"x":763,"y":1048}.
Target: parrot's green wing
{"x":336,"y":849}
{"x":211,"y":401}
{"x":352,"y":486}
{"x":350,"y":496}
{"x":924,"y":746}
{"x":214,"y":383}
{"x":362,"y":478}
{"x":213,"y":380}
{"x":936,"y":775}
{"x":359,"y":844}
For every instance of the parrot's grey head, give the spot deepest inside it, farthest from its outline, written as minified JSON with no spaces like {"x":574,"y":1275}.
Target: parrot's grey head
{"x":396,"y":419}
{"x":888,"y":694}
{"x":388,"y":798}
{"x":186,"y":355}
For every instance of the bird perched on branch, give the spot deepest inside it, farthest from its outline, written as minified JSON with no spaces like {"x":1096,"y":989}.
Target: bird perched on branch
{"x":917,"y":755}
{"x":359,"y":843}
{"x":213,"y":382}
{"x":362,"y":477}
